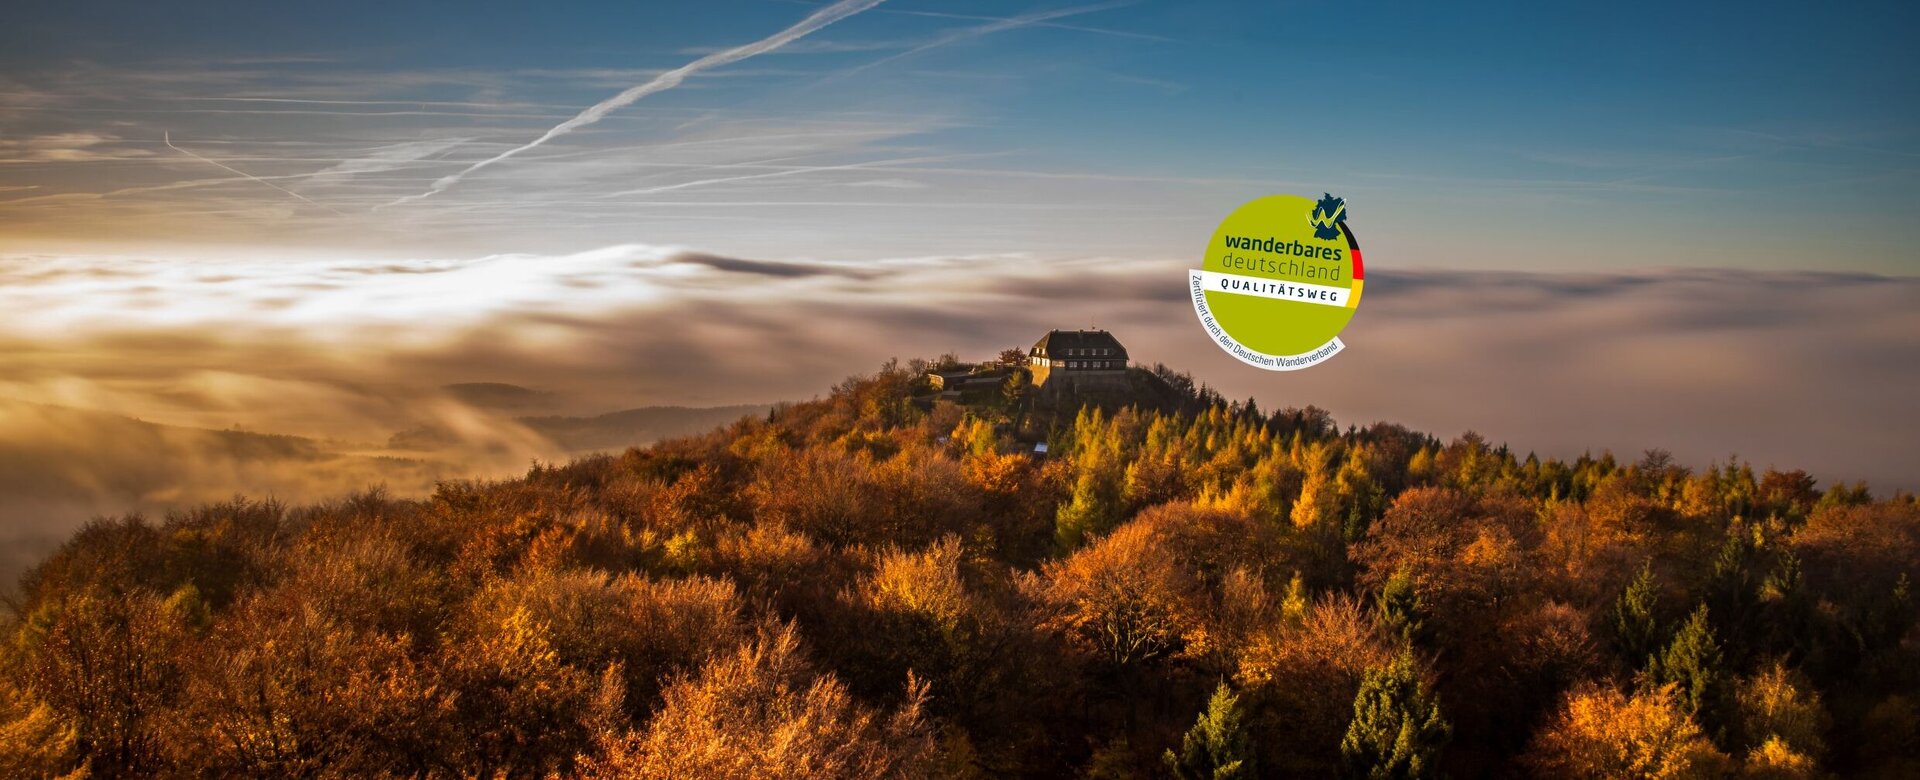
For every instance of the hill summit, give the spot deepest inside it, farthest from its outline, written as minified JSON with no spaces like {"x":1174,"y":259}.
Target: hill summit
{"x":884,"y":583}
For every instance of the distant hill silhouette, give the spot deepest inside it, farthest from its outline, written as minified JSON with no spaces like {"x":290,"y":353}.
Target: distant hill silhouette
{"x":59,"y":466}
{"x":636,"y":427}
{"x":498,"y":395}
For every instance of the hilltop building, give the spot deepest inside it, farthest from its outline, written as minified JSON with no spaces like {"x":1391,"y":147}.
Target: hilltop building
{"x":951,"y":384}
{"x":1076,"y":354}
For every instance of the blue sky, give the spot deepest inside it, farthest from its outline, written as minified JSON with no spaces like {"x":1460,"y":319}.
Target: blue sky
{"x":1587,"y":226}
{"x":1759,"y":135}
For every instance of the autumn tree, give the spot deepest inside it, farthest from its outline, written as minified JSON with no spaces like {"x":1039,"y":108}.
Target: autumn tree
{"x":34,"y":740}
{"x":762,"y":713}
{"x":931,"y":614}
{"x":1551,"y":649}
{"x":1603,"y":733}
{"x":1788,"y":493}
{"x":1466,"y":557}
{"x":1778,"y":705}
{"x":108,"y":664}
{"x":594,"y":621}
{"x":1302,"y":673}
{"x":1149,"y":589}
{"x":524,"y":709}
{"x":1123,"y":598}
{"x":285,"y":688}
{"x":1775,"y":759}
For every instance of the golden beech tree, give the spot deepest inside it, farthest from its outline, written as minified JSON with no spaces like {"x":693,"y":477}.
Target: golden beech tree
{"x":1776,"y":709}
{"x":1148,"y":589}
{"x":283,"y":688}
{"x":761,"y":713}
{"x":1124,"y":599}
{"x":1304,"y":674}
{"x":650,"y":628}
{"x":1603,"y":732}
{"x":34,"y":740}
{"x":1468,"y":558}
{"x":108,"y":663}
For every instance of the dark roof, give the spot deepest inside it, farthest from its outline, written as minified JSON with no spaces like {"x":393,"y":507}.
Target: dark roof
{"x":1057,"y":342}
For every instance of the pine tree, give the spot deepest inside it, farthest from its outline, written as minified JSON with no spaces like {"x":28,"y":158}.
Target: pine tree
{"x":1397,"y":730}
{"x":1888,"y":617}
{"x":1216,"y":748}
{"x":1731,"y":591}
{"x":1400,"y":609}
{"x":1783,"y":582}
{"x":1636,"y":630}
{"x":1693,"y":661}
{"x":1790,"y":615}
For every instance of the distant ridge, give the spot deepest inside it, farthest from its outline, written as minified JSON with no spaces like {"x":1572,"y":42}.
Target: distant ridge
{"x":636,"y":427}
{"x":497,"y":395}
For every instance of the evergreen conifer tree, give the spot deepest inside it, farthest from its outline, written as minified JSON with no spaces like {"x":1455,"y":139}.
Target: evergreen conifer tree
{"x":1400,"y":609}
{"x":1636,"y":629}
{"x":1216,"y":748}
{"x":1397,"y":729}
{"x":1694,"y":662}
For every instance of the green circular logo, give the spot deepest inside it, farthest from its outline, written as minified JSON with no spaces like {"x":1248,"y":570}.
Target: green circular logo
{"x":1279,"y":281}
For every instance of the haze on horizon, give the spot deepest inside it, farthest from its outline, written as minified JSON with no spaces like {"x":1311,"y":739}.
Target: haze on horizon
{"x":1630,"y":227}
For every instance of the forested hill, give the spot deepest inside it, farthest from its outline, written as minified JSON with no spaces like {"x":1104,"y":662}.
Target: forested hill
{"x":863,"y":586}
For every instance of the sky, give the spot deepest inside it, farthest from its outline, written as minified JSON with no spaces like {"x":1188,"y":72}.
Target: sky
{"x":1752,"y":135}
{"x":1588,"y":226}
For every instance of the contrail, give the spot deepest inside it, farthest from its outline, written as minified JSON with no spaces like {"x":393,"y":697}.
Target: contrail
{"x":1074,"y":27}
{"x":167,"y":137}
{"x":785,"y":172}
{"x":666,"y":81}
{"x":997,"y":25}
